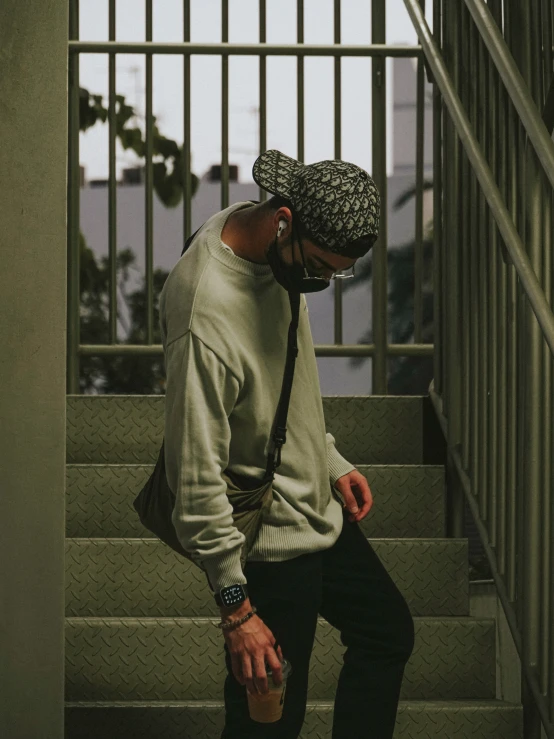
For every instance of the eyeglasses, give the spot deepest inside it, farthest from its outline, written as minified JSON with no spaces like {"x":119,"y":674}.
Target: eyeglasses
{"x":342,"y":274}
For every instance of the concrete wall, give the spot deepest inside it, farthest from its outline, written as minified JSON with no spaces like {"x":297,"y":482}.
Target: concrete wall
{"x":33,"y":132}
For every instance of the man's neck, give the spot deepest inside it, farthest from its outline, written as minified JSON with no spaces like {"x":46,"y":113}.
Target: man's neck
{"x":245,"y":232}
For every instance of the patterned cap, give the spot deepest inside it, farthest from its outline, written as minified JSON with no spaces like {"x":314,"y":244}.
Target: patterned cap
{"x":336,"y":202}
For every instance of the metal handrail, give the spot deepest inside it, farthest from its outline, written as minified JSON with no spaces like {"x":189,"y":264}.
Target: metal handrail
{"x":521,"y":261}
{"x":515,"y":84}
{"x":478,"y":387}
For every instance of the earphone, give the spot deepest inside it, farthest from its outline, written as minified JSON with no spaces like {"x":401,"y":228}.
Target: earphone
{"x":282,"y":226}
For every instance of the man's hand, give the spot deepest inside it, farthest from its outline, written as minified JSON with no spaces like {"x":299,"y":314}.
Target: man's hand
{"x":356,"y":494}
{"x":250,"y":646}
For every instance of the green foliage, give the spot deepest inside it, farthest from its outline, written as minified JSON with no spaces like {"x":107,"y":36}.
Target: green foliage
{"x":125,"y":374}
{"x":168,"y":156}
{"x":118,"y":375}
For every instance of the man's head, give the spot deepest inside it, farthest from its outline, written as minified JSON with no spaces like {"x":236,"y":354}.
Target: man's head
{"x":333,"y":205}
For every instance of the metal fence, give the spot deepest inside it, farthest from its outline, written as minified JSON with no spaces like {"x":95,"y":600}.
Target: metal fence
{"x":493,"y":173}
{"x":380,"y":350}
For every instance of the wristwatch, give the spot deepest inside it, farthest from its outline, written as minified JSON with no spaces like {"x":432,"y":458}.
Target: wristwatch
{"x":232,"y":595}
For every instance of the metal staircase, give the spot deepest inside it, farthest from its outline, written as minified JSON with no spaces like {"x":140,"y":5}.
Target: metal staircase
{"x":142,"y":658}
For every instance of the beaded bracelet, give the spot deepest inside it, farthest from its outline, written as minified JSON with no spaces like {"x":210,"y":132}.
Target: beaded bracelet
{"x":226,"y":625}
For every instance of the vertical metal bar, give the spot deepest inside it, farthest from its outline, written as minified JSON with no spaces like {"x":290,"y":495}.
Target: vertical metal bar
{"x":546,"y":43}
{"x":548,"y":591}
{"x":532,"y":471}
{"x":263,"y":89}
{"x":484,"y":253}
{"x":149,"y":189}
{"x":546,"y":408}
{"x":456,"y":512}
{"x":535,"y":55}
{"x":511,"y":158}
{"x":112,"y":186}
{"x":516,"y":31}
{"x":437,"y":215}
{"x":546,"y":246}
{"x":499,"y":483}
{"x":73,"y":229}
{"x":447,"y":196}
{"x":465,"y":235}
{"x":338,"y":110}
{"x":522,"y":378}
{"x":224,"y":107}
{"x":300,"y":79}
{"x":550,"y":487}
{"x":503,"y":385}
{"x":474,"y":321}
{"x":379,"y":158}
{"x":418,"y":265}
{"x":338,"y":119}
{"x":445,"y":155}
{"x":492,"y":316}
{"x":187,"y":178}
{"x":449,"y":193}
{"x":531,"y":476}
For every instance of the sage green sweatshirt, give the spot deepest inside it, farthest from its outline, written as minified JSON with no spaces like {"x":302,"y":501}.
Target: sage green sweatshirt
{"x":224,"y":323}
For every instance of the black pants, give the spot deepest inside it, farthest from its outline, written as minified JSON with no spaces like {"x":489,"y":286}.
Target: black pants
{"x":349,"y":587}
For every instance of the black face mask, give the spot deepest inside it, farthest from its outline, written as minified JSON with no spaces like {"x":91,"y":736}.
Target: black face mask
{"x":292,"y":276}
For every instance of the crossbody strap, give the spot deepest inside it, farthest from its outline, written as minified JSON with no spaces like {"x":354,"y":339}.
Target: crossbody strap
{"x":279,"y":434}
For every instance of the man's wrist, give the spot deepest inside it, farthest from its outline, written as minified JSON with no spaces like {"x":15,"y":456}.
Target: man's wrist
{"x":236,"y":612}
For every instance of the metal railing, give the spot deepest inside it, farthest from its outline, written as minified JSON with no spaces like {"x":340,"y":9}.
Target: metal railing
{"x":378,"y":51}
{"x":494,"y":331}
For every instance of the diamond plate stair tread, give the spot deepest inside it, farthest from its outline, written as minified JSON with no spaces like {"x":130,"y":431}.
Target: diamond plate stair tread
{"x":129,"y":428}
{"x":205,"y":720}
{"x":183,"y":659}
{"x":145,"y":578}
{"x":408,"y":500}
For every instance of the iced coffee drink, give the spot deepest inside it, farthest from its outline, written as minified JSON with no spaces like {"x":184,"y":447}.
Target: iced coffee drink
{"x":269,"y":707}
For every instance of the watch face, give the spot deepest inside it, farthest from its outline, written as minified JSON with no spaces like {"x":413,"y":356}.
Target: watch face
{"x":232,"y":595}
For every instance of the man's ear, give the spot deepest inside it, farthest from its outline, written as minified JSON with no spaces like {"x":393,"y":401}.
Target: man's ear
{"x":282,"y":214}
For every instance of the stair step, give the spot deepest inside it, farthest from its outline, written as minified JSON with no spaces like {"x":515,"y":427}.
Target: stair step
{"x":205,"y":719}
{"x":143,"y":658}
{"x":408,"y":500}
{"x":114,"y":429}
{"x":145,"y":578}
{"x":110,"y":659}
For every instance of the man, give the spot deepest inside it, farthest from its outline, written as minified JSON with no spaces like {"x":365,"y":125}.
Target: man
{"x":224,"y":317}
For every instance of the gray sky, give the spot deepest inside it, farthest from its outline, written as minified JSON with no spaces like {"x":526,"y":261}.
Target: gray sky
{"x":243,"y":79}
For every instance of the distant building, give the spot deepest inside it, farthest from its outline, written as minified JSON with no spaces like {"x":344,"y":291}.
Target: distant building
{"x":337,"y":377}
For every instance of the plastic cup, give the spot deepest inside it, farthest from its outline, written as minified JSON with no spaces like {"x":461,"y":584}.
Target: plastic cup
{"x":269,"y":707}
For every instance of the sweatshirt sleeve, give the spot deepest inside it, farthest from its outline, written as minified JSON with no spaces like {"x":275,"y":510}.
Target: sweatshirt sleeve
{"x":338,"y":465}
{"x":201,"y":391}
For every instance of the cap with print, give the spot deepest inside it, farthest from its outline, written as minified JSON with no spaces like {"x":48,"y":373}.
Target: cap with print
{"x":336,"y":202}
